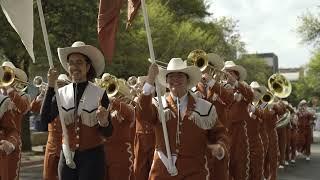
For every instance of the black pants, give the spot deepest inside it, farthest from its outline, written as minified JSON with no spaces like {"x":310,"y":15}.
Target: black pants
{"x":90,"y":165}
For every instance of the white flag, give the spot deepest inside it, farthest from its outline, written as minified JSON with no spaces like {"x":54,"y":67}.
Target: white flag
{"x":19,"y":13}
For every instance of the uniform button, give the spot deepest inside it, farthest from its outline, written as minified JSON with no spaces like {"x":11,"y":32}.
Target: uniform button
{"x":77,"y":145}
{"x":180,"y":132}
{"x":77,"y":136}
{"x":177,"y":150}
{"x":180,"y":123}
{"x":78,"y":128}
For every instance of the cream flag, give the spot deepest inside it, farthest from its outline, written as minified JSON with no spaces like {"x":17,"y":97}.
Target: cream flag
{"x":19,"y":14}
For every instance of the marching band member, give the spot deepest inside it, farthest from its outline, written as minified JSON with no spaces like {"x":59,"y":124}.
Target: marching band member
{"x":238,"y":115}
{"x":282,"y":141}
{"x":84,"y":111}
{"x":21,"y":105}
{"x":119,"y":146}
{"x":144,"y":141}
{"x":306,"y":119}
{"x":254,"y":129}
{"x":210,"y":89}
{"x":192,"y":123}
{"x":54,"y":143}
{"x":272,"y":113}
{"x":291,"y":136}
{"x":9,"y":137}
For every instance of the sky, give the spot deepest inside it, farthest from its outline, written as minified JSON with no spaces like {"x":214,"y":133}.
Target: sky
{"x":269,"y":26}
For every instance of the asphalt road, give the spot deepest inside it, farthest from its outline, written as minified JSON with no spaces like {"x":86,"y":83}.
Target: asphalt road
{"x":302,"y":170}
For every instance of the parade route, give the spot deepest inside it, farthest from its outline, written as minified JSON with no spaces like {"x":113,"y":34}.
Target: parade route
{"x":302,"y":170}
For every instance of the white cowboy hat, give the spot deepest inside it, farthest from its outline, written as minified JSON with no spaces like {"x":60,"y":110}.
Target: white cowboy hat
{"x":215,"y":60}
{"x":256,"y":86}
{"x":178,"y":65}
{"x":19,"y":73}
{"x":93,"y":53}
{"x":302,"y":102}
{"x":230,"y":65}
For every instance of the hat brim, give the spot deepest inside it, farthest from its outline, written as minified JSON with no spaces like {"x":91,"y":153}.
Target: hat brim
{"x":20,"y":74}
{"x":241,"y":70}
{"x":96,"y":57}
{"x":215,"y":61}
{"x":193,"y":72}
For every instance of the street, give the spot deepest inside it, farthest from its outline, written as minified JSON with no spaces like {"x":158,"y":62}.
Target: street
{"x":302,"y":170}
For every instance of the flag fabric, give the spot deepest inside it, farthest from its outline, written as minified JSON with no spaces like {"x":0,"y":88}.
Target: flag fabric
{"x":108,"y":17}
{"x":19,"y":14}
{"x":133,"y":7}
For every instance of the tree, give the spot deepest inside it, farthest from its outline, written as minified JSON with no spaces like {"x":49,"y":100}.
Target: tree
{"x":257,"y":69}
{"x":309,"y":28}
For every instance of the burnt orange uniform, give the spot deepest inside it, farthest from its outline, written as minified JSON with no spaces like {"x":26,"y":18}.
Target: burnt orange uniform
{"x":238,"y":115}
{"x":305,"y":131}
{"x":53,"y":146}
{"x":144,"y":143}
{"x":9,"y":132}
{"x":119,"y":146}
{"x":188,"y":136}
{"x":220,"y":97}
{"x":21,"y":106}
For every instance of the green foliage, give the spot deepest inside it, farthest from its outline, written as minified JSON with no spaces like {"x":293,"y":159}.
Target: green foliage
{"x":177,"y":27}
{"x":309,"y":28}
{"x":257,"y":69}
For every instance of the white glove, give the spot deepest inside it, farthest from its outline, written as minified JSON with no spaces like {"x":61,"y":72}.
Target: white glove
{"x":6,"y":146}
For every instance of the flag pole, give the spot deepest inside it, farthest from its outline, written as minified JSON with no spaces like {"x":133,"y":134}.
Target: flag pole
{"x":67,"y":151}
{"x":171,"y":166}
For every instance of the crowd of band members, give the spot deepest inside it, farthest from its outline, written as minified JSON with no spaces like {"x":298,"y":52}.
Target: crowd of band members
{"x":215,"y":129}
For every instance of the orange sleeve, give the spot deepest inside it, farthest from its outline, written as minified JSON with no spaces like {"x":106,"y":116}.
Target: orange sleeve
{"x":11,"y":132}
{"x":35,"y":105}
{"x":146,"y":111}
{"x":226,"y":95}
{"x":124,"y":109}
{"x":21,"y":102}
{"x":246,"y":91}
{"x":218,"y":135}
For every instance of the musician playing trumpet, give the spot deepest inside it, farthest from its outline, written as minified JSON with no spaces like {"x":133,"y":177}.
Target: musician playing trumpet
{"x":212,"y":89}
{"x":21,"y":105}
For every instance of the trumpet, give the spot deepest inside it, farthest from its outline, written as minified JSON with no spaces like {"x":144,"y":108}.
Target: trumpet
{"x":9,"y":79}
{"x":39,"y":83}
{"x":268,"y":97}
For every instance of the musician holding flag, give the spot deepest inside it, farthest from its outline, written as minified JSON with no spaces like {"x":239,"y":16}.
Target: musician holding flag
{"x":192,"y":123}
{"x":84,"y":110}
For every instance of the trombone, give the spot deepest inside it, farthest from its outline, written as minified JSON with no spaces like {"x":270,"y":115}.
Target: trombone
{"x":9,"y":79}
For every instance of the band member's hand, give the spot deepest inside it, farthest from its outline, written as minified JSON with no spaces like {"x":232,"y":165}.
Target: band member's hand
{"x":152,"y":74}
{"x":52,"y":77}
{"x":206,"y":78}
{"x":102,"y":115}
{"x":6,"y":146}
{"x":217,"y":151}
